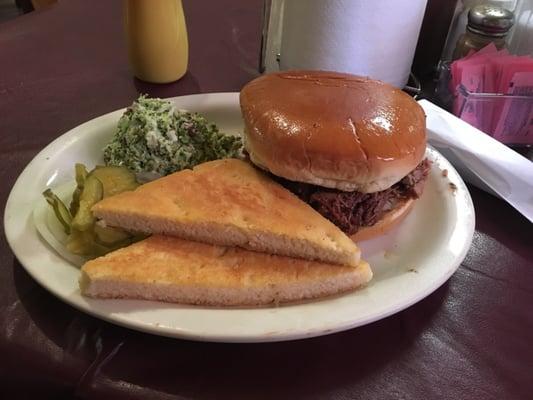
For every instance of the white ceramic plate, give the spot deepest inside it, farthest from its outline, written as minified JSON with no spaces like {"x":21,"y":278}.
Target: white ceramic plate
{"x":408,"y":263}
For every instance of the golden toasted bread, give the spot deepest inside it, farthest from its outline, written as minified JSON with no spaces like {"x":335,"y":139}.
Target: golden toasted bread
{"x":169,"y":269}
{"x":230,"y":203}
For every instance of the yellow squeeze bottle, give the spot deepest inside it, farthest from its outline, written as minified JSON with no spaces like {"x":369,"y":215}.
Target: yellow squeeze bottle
{"x":156,"y":33}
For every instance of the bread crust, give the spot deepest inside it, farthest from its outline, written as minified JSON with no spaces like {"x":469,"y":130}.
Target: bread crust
{"x":174,"y":270}
{"x":385,"y":224}
{"x":331,"y":129}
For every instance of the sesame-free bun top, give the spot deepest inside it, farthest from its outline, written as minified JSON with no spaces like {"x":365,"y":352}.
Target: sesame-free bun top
{"x":332,"y":129}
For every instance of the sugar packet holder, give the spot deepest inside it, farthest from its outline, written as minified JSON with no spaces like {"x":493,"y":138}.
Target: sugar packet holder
{"x":507,"y":118}
{"x":480,"y":159}
{"x":493,"y":91}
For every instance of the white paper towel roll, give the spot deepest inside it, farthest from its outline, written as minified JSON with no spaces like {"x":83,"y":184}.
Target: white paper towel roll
{"x":375,"y":38}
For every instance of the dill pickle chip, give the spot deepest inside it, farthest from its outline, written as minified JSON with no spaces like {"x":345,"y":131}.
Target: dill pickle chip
{"x":115,"y":179}
{"x":92,"y":193}
{"x":81,"y":242}
{"x":75,"y":202}
{"x":110,"y":236}
{"x":81,"y":175}
{"x":60,"y":210}
{"x":85,"y":237}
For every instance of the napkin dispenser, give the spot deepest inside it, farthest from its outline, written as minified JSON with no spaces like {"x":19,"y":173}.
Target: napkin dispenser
{"x":370,"y":38}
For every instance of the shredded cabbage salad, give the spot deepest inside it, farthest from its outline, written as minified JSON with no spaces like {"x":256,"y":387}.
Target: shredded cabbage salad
{"x":154,"y":137}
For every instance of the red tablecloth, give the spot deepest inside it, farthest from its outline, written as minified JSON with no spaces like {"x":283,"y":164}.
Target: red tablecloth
{"x":472,"y":338}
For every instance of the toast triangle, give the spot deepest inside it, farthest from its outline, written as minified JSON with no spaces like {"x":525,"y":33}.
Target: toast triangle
{"x":169,"y":269}
{"x":230,"y":203}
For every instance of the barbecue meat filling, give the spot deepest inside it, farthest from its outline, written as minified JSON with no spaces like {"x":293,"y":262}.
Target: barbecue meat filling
{"x":352,"y":210}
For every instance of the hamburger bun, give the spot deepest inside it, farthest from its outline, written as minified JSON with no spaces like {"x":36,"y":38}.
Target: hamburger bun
{"x":332,"y":129}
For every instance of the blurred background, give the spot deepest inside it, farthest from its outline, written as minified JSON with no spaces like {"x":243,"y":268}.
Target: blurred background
{"x":437,"y":19}
{"x":441,"y":25}
{"x":10,"y":9}
{"x":421,"y":63}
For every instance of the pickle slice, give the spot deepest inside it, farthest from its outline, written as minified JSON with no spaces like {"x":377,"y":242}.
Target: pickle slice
{"x":92,"y":193}
{"x":81,"y":242}
{"x":115,"y":179}
{"x":81,"y":176}
{"x":60,"y":210}
{"x":110,"y":236}
{"x":85,"y":237}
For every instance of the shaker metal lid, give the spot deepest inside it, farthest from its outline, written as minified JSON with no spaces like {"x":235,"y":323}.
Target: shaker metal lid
{"x":490,"y":20}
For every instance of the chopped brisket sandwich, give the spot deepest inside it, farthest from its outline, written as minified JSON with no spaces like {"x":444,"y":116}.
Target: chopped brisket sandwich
{"x":351,"y":147}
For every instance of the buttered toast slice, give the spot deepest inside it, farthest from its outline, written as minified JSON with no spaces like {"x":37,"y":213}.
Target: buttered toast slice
{"x":230,"y":203}
{"x":169,"y":269}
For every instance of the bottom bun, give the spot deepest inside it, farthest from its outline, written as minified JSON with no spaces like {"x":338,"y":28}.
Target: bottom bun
{"x":385,"y":224}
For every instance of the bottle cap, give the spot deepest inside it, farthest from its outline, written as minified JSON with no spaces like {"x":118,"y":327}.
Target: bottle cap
{"x":490,"y":20}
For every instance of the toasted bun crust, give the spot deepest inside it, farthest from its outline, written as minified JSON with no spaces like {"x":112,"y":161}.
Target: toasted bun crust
{"x":330,"y":129}
{"x":174,"y":270}
{"x":231,"y":203}
{"x":385,"y":224}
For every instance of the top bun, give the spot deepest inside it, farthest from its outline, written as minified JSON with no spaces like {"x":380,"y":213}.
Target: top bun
{"x":334,"y":130}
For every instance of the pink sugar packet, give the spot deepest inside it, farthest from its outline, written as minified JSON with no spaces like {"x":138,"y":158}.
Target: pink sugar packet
{"x":467,"y":72}
{"x":458,"y":67}
{"x":507,"y":67}
{"x":472,"y":80}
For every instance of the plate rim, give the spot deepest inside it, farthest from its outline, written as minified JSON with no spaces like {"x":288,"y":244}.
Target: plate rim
{"x":147,"y":327}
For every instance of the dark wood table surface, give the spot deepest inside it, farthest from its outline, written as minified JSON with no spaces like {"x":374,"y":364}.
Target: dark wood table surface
{"x":471,"y":339}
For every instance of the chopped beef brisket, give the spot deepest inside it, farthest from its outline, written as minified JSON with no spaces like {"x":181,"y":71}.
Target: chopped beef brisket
{"x":352,"y":210}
